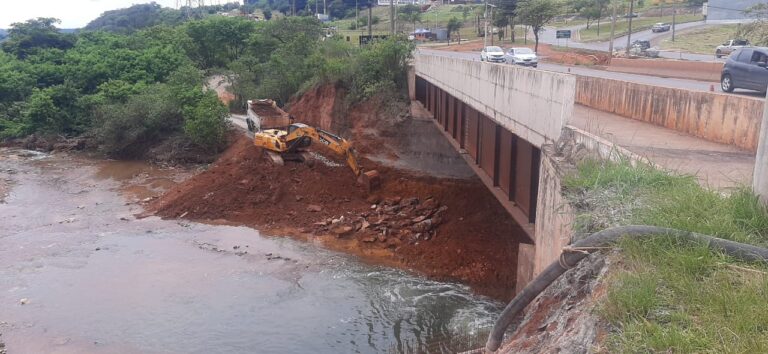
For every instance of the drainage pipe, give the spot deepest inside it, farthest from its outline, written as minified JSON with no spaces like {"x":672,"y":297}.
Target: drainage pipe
{"x":574,"y":253}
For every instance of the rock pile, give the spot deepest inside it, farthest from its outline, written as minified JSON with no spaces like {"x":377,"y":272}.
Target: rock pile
{"x":392,"y":221}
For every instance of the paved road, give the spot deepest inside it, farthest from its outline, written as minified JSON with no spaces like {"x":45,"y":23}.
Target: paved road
{"x":548,"y":36}
{"x":580,"y":70}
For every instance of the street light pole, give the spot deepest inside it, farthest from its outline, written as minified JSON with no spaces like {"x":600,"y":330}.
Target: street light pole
{"x":674,"y":12}
{"x":613,"y":32}
{"x":485,"y":30}
{"x":485,"y":26}
{"x":629,"y":33}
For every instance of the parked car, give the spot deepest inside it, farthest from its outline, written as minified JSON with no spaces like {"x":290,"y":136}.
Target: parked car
{"x":493,"y":54}
{"x":729,"y":46}
{"x":522,"y":56}
{"x":642,"y":45}
{"x":746,"y":68}
{"x":661,"y":27}
{"x":632,"y":15}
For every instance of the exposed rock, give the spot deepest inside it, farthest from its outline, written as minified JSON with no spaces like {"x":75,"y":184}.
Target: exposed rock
{"x":314,"y":208}
{"x":423,"y":226}
{"x":342,"y":230}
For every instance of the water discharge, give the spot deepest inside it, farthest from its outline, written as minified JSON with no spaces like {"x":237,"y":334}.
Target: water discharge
{"x":97,"y":280}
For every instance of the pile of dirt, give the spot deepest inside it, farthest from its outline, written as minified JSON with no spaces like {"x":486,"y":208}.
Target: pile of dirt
{"x":444,"y":228}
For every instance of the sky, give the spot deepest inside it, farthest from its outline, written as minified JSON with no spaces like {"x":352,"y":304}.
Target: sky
{"x":72,"y":13}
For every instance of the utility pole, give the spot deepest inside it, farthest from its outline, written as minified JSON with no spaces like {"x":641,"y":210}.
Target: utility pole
{"x":485,"y":26}
{"x":629,"y":33}
{"x":613,"y":32}
{"x":492,"y":25}
{"x":674,"y":12}
{"x":485,"y":29}
{"x":357,"y":20}
{"x":392,"y":17}
{"x":370,"y":15}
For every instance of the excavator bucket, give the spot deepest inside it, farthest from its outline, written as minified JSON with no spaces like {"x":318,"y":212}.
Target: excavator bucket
{"x":371,"y":180}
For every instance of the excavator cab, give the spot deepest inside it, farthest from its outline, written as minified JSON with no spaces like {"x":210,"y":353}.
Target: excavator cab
{"x":291,"y":144}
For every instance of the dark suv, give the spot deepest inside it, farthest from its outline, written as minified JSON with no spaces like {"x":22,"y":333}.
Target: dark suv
{"x":746,"y":68}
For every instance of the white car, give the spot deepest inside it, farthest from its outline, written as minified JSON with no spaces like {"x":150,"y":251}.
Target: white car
{"x":522,"y":56}
{"x":492,"y":54}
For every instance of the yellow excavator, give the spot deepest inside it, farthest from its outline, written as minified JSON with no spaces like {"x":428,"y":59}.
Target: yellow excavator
{"x":292,"y":143}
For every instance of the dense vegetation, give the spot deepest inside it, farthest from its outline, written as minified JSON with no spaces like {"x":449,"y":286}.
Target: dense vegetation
{"x":141,"y":16}
{"x":129,"y":92}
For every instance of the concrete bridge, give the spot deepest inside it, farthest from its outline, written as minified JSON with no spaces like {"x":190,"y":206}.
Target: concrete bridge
{"x":505,"y":120}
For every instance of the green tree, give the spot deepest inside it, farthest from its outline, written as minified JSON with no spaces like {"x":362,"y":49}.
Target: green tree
{"x":537,"y":14}
{"x":205,"y":123}
{"x":454,"y":26}
{"x":136,"y":17}
{"x":590,"y":10}
{"x":410,"y":14}
{"x":27,"y":38}
{"x":40,"y":113}
{"x":218,"y":40}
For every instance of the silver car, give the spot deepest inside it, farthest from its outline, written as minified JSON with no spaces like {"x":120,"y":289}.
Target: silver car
{"x":492,"y":54}
{"x":729,"y":46}
{"x":522,"y":56}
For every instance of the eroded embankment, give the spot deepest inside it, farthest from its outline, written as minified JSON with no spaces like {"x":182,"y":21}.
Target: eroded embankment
{"x":448,"y":229}
{"x":444,"y":228}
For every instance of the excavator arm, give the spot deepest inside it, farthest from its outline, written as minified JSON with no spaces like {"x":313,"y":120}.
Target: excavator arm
{"x":342,"y":147}
{"x":336,"y":143}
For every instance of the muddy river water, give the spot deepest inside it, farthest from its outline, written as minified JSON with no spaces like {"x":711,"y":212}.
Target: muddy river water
{"x":80,"y":274}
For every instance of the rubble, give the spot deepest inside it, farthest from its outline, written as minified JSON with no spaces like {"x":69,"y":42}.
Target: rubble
{"x":412,"y":221}
{"x":395,"y":221}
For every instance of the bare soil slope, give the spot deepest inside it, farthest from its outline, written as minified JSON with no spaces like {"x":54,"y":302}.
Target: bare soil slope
{"x":448,"y":229}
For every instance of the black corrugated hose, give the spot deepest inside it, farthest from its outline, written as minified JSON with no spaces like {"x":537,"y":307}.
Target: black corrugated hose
{"x":574,"y":253}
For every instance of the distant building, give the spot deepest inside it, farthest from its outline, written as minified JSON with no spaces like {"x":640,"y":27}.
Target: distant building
{"x":729,"y":10}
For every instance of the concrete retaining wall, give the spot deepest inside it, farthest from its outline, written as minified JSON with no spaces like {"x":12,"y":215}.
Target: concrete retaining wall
{"x":554,"y":221}
{"x":722,"y":118}
{"x":533,"y":104}
{"x":684,"y":69}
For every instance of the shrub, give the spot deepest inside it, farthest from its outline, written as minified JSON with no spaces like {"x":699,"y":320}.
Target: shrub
{"x":206,"y":122}
{"x":128,"y":129}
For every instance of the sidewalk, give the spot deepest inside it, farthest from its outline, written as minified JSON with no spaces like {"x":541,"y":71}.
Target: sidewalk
{"x":715,"y":165}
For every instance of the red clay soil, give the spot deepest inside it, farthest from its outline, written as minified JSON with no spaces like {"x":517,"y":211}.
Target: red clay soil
{"x":446,"y":229}
{"x":320,"y":107}
{"x":570,"y":56}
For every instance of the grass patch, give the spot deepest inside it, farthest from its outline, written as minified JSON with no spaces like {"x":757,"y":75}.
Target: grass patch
{"x":700,"y":40}
{"x":670,"y":295}
{"x":437,"y":17}
{"x":638,"y":24}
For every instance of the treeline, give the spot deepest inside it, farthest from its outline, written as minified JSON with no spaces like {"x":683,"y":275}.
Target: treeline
{"x":142,"y":16}
{"x":129,"y":92}
{"x":335,"y":8}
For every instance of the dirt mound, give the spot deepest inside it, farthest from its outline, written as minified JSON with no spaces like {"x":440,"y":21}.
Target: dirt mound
{"x":444,"y":228}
